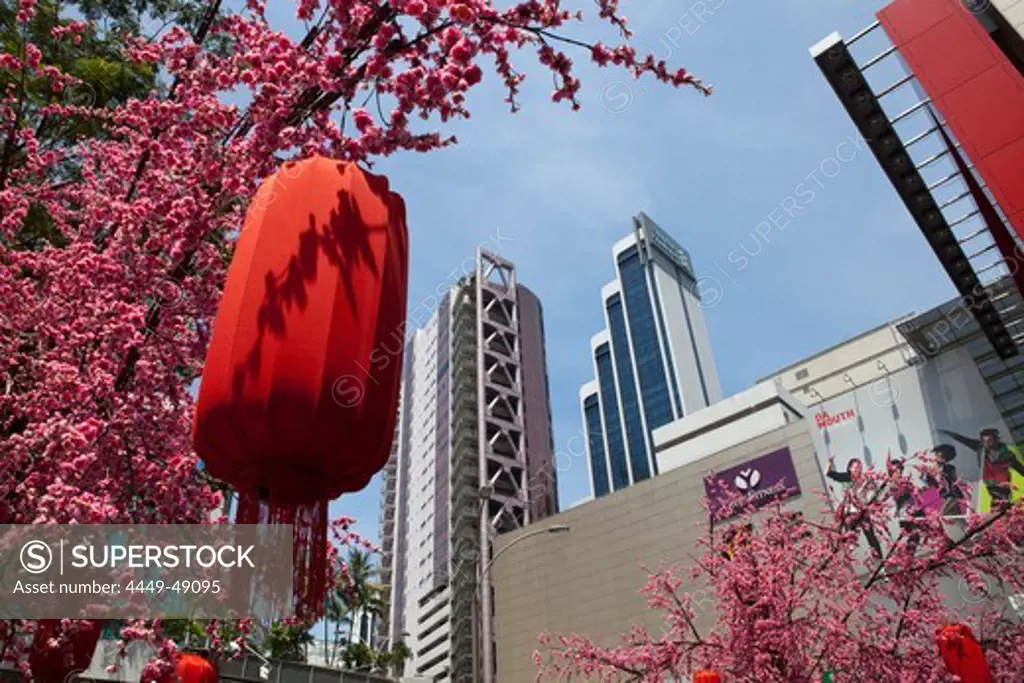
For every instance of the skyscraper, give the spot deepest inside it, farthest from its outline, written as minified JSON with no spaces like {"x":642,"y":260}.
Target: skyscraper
{"x":473,"y":457}
{"x":652,"y":362}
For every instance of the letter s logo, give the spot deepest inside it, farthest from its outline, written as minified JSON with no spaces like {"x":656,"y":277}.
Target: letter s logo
{"x":36,"y":557}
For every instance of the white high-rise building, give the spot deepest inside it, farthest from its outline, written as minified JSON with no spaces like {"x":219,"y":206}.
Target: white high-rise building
{"x":652,"y":362}
{"x":472,"y":457}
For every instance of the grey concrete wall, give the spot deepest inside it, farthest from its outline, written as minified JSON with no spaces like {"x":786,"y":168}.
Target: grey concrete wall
{"x":587,"y":580}
{"x":248,"y":669}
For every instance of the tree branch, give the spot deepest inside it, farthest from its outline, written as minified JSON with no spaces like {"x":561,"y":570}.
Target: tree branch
{"x":202,"y":31}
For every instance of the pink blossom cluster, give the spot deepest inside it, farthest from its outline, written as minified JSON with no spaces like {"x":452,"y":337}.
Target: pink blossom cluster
{"x":26,"y":10}
{"x":72,"y":29}
{"x":795,"y":597}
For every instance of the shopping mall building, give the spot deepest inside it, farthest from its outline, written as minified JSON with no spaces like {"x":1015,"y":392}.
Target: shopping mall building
{"x":936,"y":87}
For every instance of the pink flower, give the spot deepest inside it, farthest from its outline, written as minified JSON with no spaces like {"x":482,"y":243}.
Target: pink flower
{"x":462,"y":13}
{"x":26,"y":10}
{"x":415,"y":8}
{"x":463,"y":52}
{"x":601,"y":54}
{"x":34,"y":55}
{"x":363,"y":119}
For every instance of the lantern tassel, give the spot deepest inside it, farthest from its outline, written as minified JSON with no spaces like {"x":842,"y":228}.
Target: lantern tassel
{"x":52,"y":665}
{"x":309,"y":546}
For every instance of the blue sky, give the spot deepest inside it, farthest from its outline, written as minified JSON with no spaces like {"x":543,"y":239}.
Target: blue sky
{"x":562,"y":186}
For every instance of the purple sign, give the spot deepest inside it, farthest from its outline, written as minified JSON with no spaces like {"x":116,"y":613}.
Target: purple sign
{"x":756,"y":483}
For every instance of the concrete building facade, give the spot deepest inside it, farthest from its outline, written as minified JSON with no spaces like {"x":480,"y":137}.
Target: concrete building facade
{"x":759,"y":410}
{"x":587,"y":580}
{"x":652,"y":362}
{"x":472,"y":458}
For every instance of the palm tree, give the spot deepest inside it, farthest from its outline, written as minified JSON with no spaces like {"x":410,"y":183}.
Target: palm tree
{"x":362,"y":595}
{"x":376,"y":606}
{"x":336,"y":610}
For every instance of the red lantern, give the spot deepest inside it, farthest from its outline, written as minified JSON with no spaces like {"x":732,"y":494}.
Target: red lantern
{"x":50,"y":663}
{"x":962,"y":653}
{"x":299,"y":393}
{"x":192,"y":668}
{"x":707,"y":676}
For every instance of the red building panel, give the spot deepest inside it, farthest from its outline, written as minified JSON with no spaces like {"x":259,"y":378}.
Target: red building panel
{"x":972,"y":84}
{"x":911,"y":19}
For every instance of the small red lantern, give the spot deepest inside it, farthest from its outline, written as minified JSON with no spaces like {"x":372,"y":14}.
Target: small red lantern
{"x":50,"y":663}
{"x":299,"y":393}
{"x":962,"y":653}
{"x":707,"y":676}
{"x":193,"y":668}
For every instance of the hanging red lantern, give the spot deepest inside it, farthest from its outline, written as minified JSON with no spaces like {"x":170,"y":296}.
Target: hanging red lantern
{"x":299,"y":394}
{"x":707,"y":676}
{"x":962,"y":653}
{"x":53,"y":661}
{"x":194,"y":668}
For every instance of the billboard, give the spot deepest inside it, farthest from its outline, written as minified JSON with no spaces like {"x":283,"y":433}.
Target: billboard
{"x":940,"y":407}
{"x":755,"y":483}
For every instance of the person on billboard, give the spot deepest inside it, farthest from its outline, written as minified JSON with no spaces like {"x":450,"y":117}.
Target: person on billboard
{"x":1002,"y":467}
{"x":856,"y":490}
{"x":900,"y":487}
{"x":912,"y":503}
{"x":949,"y":485}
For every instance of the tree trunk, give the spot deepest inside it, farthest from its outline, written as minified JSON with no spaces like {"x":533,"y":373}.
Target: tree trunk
{"x":353,"y":620}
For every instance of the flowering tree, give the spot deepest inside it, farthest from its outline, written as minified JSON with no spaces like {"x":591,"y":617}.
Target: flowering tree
{"x":799,"y":598}
{"x":125,"y":171}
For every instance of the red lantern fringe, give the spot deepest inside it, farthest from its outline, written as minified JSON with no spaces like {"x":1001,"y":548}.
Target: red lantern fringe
{"x":309,"y":546}
{"x":962,"y":653}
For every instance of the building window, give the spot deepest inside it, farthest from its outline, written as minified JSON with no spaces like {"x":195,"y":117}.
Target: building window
{"x":803,"y":373}
{"x":595,"y":442}
{"x":654,"y":389}
{"x":663,"y":329}
{"x":635,"y":436}
{"x":613,"y":427}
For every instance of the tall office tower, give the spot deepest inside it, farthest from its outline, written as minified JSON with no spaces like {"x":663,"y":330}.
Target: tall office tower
{"x":473,"y":457}
{"x":652,"y":362}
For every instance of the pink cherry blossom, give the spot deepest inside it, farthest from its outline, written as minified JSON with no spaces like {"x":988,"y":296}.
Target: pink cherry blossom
{"x":799,"y":597}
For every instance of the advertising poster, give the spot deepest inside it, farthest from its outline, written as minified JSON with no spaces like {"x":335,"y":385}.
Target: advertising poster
{"x":752,"y":485}
{"x":966,"y":419}
{"x":940,"y":407}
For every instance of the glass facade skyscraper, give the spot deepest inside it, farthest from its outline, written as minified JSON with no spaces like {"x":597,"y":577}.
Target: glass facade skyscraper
{"x":652,"y":363}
